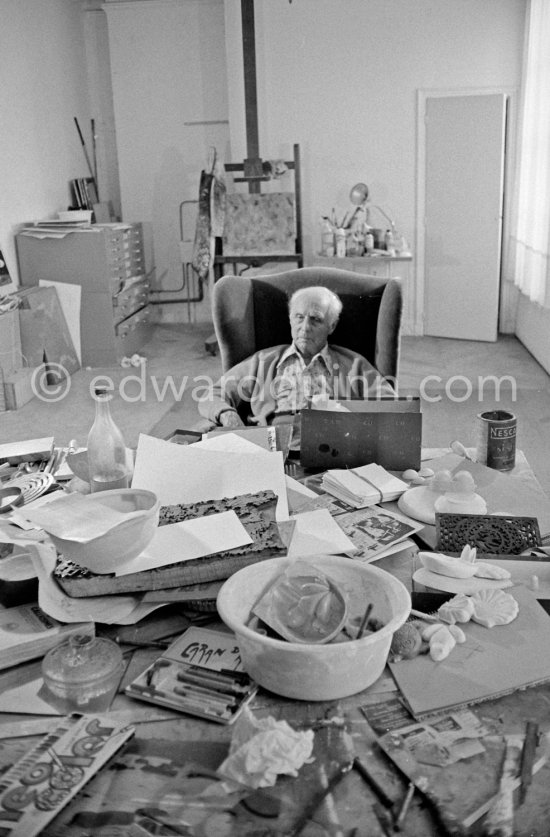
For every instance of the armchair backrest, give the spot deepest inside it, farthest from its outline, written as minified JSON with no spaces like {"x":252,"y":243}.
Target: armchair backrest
{"x":251,"y":313}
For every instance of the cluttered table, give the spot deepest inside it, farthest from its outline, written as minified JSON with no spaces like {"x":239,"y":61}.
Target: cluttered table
{"x":456,"y":745}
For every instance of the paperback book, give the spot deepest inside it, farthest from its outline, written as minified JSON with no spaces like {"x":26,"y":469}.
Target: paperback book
{"x":26,"y":632}
{"x":40,"y":784}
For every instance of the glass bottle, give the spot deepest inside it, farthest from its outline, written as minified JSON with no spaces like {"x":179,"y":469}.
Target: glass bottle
{"x":107,"y":462}
{"x":327,"y":238}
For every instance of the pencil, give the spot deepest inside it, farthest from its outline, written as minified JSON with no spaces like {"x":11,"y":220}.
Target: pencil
{"x":372,"y":783}
{"x":402,"y":813}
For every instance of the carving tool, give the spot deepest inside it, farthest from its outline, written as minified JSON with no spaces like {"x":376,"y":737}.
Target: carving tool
{"x":500,"y":818}
{"x":402,"y":812}
{"x":373,"y":783}
{"x":528,"y":753}
{"x":318,"y":799}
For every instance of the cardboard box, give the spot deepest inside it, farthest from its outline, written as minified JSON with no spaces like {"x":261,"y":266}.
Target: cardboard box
{"x":11,"y":357}
{"x":18,"y":388}
{"x":45,"y":335}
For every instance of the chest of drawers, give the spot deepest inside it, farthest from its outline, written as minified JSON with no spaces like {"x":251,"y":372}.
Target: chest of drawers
{"x":107,"y":262}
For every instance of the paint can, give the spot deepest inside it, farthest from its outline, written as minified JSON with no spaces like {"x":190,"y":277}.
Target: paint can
{"x":496,"y":439}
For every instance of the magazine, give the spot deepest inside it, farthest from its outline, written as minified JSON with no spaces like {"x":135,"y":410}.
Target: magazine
{"x":374,"y":530}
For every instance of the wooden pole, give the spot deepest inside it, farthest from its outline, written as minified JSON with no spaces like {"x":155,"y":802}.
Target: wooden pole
{"x":253,"y":162}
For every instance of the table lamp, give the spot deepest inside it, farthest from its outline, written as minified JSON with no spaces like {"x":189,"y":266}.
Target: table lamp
{"x":359,"y":196}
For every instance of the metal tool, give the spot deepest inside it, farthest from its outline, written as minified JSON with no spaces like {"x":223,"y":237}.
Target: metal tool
{"x":309,"y":811}
{"x":528,"y":753}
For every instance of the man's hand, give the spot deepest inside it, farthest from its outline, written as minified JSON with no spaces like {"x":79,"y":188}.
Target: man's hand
{"x":229,"y":418}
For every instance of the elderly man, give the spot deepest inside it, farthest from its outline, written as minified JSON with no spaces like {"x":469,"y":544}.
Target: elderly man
{"x":273,"y":385}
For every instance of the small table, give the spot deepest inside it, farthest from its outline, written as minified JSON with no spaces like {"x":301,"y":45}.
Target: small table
{"x":377,"y":265}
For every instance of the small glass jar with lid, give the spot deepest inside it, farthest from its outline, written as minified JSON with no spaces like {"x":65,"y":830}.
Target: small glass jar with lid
{"x":82,"y":674}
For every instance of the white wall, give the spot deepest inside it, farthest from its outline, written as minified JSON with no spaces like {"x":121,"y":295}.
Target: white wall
{"x":341,"y":78}
{"x":43,"y":87}
{"x":533,"y":329}
{"x":170,"y":104}
{"x":338,"y":76}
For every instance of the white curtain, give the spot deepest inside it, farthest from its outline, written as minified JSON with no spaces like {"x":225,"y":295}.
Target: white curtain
{"x":531,"y":238}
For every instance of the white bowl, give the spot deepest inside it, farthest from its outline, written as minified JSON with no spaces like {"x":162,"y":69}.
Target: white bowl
{"x":316,"y":672}
{"x":124,"y":542}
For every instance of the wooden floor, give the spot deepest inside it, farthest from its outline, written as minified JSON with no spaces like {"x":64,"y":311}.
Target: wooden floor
{"x":457,"y":379}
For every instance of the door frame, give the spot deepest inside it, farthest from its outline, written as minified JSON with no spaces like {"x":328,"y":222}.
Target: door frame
{"x":423,"y":94}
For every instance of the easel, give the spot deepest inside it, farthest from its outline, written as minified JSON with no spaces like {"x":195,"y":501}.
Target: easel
{"x":254,"y":173}
{"x":253,"y":168}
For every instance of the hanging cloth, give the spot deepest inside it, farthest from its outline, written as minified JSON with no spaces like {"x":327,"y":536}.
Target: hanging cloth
{"x":210,"y":217}
{"x":217,"y":200}
{"x":201,"y":260}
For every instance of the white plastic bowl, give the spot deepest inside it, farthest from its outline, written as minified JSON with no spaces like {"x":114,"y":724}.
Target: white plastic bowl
{"x":124,"y":542}
{"x":316,"y":672}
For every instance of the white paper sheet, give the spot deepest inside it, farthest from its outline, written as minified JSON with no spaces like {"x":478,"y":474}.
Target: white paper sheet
{"x":187,"y":473}
{"x":230,"y":442}
{"x":189,"y":539}
{"x":69,"y":300}
{"x":26,"y":700}
{"x":317,"y":533}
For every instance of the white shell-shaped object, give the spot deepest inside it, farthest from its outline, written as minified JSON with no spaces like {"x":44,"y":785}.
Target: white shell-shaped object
{"x":494,"y":607}
{"x":454,"y":502}
{"x":441,"y":643}
{"x":484,"y":570}
{"x":457,"y":633}
{"x":426,"y":472}
{"x":458,"y":609}
{"x":447,"y":565}
{"x":409,"y":474}
{"x":430,"y":630}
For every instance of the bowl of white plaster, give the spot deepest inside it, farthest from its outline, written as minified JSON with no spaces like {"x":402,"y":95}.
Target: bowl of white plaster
{"x":310,"y":671}
{"x":125,"y":541}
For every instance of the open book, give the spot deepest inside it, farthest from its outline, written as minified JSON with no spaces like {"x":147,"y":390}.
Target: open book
{"x":26,"y":632}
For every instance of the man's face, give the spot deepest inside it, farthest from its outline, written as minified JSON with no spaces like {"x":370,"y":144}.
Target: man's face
{"x":310,"y":324}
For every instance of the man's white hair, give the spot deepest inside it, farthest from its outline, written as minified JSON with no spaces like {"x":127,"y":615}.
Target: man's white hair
{"x":326,"y":297}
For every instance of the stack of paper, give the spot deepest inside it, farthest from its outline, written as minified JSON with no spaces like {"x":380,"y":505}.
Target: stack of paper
{"x":363,"y":486}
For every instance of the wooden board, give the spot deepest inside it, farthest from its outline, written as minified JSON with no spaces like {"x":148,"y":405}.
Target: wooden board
{"x":460,"y":794}
{"x":346,"y":440}
{"x":491,"y":662}
{"x":257,"y":514}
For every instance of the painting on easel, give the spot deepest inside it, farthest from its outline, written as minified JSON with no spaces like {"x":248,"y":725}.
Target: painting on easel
{"x":259,"y":224}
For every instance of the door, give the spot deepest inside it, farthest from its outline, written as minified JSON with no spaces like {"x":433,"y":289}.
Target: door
{"x":463,"y":215}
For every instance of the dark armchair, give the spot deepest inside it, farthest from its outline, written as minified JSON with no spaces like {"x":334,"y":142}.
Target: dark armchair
{"x":251,"y":313}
